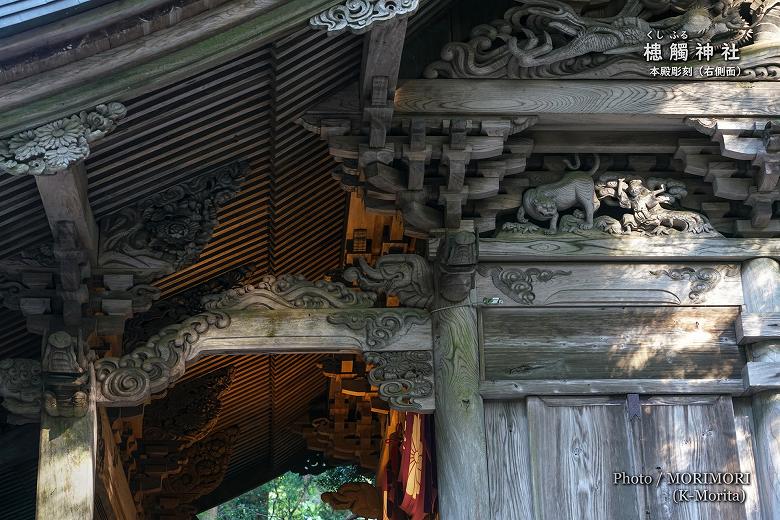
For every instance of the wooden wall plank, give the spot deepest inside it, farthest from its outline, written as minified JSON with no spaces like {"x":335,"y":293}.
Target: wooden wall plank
{"x":611,"y":343}
{"x":509,"y":460}
{"x":517,"y":389}
{"x":743,"y":423}
{"x":575,"y":450}
{"x":690,"y":435}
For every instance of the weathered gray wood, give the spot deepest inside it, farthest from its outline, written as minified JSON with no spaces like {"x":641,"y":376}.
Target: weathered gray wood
{"x":761,"y":287}
{"x":508,"y":460}
{"x":315,"y":330}
{"x":753,"y":327}
{"x":159,"y":59}
{"x":382,"y":55}
{"x":743,"y":421}
{"x":64,"y":197}
{"x":611,"y":284}
{"x":693,"y":435}
{"x":66,"y":466}
{"x":113,"y":487}
{"x":520,"y":389}
{"x":610,"y":343}
{"x":461,"y":459}
{"x":626,"y":249}
{"x":511,"y":97}
{"x":604,"y":142}
{"x":575,"y":450}
{"x":761,"y":376}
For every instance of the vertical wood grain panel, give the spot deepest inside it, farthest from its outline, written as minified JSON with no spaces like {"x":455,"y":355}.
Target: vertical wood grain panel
{"x":691,"y":434}
{"x":509,"y":460}
{"x":576,"y":445}
{"x":743,"y":423}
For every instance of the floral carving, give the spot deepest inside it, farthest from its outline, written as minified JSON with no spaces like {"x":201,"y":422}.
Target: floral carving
{"x":703,"y":279}
{"x":54,"y":146}
{"x":518,"y":283}
{"x":358,"y":16}
{"x":381,"y":327}
{"x":168,"y":230}
{"x":405,"y":379}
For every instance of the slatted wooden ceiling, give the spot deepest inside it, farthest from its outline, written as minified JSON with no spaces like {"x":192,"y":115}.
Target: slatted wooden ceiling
{"x":288,"y":218}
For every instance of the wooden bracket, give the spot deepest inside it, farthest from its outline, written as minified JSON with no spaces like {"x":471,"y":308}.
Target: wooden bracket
{"x":760,"y":376}
{"x":754,"y":327}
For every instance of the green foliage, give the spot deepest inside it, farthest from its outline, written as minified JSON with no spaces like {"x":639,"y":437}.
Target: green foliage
{"x":333,"y":478}
{"x":291,"y":497}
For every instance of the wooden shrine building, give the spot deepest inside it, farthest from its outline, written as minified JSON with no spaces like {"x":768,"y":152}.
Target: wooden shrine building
{"x":527,"y":248}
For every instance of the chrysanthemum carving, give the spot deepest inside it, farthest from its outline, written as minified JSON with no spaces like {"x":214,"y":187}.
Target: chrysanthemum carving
{"x":55,"y":146}
{"x":60,"y":134}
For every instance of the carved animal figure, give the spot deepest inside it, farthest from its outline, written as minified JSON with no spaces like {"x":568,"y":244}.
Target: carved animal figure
{"x":361,"y":498}
{"x":547,"y":201}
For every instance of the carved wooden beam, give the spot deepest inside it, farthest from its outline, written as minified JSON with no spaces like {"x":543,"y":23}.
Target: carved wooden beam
{"x":286,"y":314}
{"x":359,"y":16}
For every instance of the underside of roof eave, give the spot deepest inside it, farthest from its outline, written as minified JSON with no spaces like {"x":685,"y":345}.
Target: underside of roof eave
{"x":151,"y":62}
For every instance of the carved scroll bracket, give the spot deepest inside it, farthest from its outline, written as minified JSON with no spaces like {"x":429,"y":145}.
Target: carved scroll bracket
{"x":381,"y":328}
{"x":702,"y":280}
{"x":284,"y":314}
{"x":359,"y":16}
{"x":405,"y":379}
{"x":518,"y":284}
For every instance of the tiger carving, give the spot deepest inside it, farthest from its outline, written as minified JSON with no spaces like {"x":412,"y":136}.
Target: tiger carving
{"x":546,"y":202}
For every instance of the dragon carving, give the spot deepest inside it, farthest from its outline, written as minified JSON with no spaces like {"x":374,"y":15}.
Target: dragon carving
{"x":546,"y":38}
{"x":625,"y":33}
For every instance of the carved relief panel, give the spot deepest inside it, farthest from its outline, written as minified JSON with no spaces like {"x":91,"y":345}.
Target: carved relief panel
{"x":561,"y":283}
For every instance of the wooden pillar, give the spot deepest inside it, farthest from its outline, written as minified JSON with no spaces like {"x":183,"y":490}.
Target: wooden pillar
{"x":64,"y":197}
{"x":761,"y":288}
{"x":461,"y":457}
{"x":66,"y":467}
